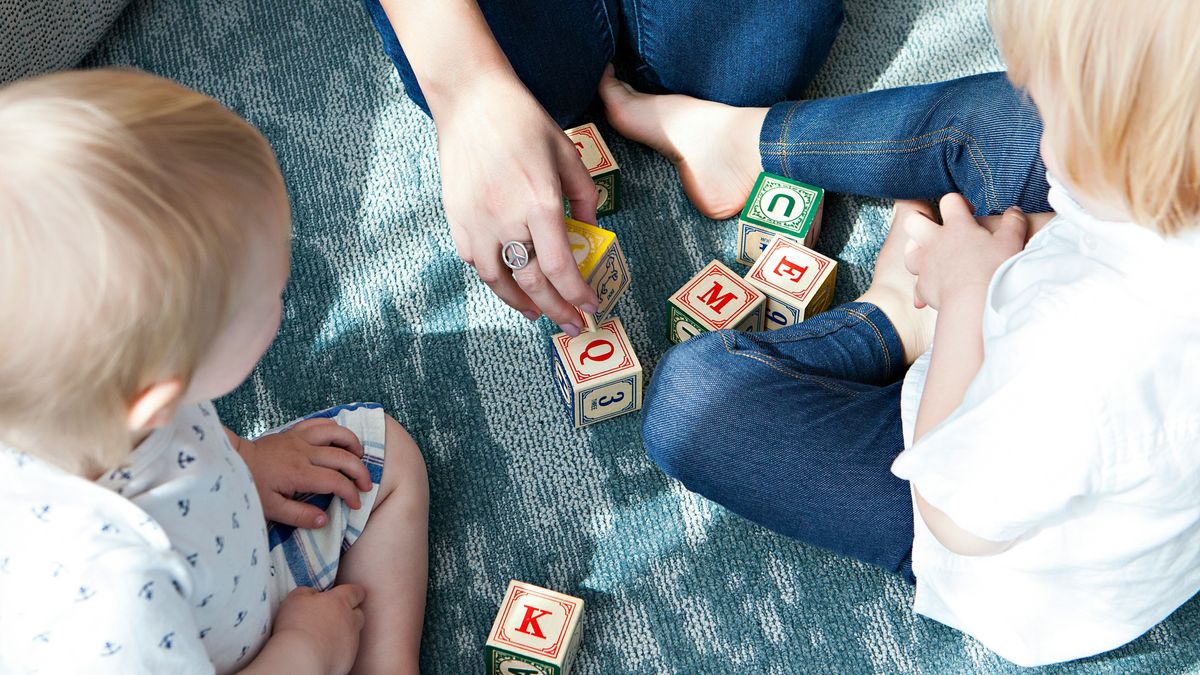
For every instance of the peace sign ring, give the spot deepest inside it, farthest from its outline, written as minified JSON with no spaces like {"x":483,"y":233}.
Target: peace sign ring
{"x":517,"y":254}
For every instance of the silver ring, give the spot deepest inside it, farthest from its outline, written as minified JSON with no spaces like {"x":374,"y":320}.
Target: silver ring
{"x":517,"y":254}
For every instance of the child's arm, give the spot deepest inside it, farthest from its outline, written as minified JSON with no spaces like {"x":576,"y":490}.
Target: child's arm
{"x":955,"y":263}
{"x":317,"y":456}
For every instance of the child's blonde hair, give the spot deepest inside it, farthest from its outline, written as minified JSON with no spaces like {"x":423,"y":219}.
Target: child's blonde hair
{"x":125,"y":203}
{"x":1118,"y":86}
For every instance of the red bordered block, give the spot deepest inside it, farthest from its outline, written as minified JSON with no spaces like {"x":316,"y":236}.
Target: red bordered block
{"x":597,"y":373}
{"x":536,"y":632}
{"x":600,"y":164}
{"x":778,"y":206}
{"x":798,"y":282}
{"x":714,"y":299}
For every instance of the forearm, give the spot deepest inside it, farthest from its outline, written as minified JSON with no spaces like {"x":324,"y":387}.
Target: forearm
{"x":449,"y":45}
{"x":957,"y":357}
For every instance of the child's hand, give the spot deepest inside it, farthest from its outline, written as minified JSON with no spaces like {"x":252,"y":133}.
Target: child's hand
{"x":316,"y":456}
{"x":327,"y":623}
{"x":960,"y":256}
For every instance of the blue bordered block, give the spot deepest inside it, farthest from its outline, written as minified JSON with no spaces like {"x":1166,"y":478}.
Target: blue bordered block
{"x":597,"y":373}
{"x":797,"y":281}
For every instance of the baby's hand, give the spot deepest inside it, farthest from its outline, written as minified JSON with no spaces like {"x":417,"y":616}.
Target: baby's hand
{"x":316,"y":456}
{"x":328,"y":623}
{"x":960,"y":256}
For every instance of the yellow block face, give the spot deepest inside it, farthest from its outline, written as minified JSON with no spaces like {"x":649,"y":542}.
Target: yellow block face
{"x":589,"y":244}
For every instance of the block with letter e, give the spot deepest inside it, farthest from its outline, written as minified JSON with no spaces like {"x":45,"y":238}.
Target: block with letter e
{"x":778,"y":206}
{"x":601,"y":263}
{"x":600,"y":164}
{"x":797,"y":281}
{"x":597,"y":373}
{"x":714,"y":299}
{"x":536,"y":632}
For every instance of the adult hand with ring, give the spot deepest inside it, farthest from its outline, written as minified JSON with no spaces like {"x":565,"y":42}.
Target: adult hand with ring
{"x":506,"y":168}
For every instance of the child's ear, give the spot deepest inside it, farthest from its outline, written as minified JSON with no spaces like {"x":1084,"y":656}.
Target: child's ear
{"x":155,"y":405}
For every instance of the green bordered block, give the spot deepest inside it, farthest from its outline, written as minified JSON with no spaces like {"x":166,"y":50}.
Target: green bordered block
{"x":680,"y":326}
{"x":501,"y":662}
{"x":778,"y":206}
{"x":601,"y":165}
{"x":608,"y":192}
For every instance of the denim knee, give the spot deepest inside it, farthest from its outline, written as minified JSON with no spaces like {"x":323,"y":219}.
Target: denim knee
{"x":688,"y":404}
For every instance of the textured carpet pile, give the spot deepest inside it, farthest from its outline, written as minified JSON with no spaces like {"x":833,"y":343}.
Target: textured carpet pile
{"x":379,"y":308}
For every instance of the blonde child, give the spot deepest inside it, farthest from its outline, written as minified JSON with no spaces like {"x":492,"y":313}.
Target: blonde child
{"x":144,"y":246}
{"x":1035,"y":473}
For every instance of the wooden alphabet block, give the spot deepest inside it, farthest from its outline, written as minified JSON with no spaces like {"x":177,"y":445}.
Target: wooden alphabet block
{"x":597,"y":373}
{"x":714,"y":299}
{"x":601,"y":263}
{"x":797,"y":281}
{"x":778,"y":206}
{"x":600,"y":163}
{"x":536,"y":632}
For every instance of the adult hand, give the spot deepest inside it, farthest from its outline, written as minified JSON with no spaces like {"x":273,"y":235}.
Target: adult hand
{"x":960,"y":255}
{"x":506,"y":168}
{"x":327,"y":624}
{"x":317,"y":456}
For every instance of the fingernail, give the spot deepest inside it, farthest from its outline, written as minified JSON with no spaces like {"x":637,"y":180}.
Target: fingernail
{"x":531,"y":315}
{"x":321,"y":521}
{"x":570,"y":329}
{"x":590,"y":307}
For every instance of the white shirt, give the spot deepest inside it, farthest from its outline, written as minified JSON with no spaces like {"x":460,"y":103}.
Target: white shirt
{"x":1080,"y":437}
{"x":159,"y":567}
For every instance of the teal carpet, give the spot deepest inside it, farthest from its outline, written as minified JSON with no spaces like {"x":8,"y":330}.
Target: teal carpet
{"x":380,"y":308}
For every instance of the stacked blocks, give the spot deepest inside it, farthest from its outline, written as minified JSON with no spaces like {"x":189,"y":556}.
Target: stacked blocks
{"x":600,"y":262}
{"x":598,"y":374}
{"x":536,"y":632}
{"x":797,"y":281}
{"x":778,"y":206}
{"x":600,"y":163}
{"x":714,"y":299}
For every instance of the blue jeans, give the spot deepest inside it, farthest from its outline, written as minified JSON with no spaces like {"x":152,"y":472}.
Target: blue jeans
{"x":794,"y":429}
{"x":974,"y":135}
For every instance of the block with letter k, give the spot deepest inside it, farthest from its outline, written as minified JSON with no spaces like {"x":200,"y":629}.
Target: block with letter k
{"x":536,"y":632}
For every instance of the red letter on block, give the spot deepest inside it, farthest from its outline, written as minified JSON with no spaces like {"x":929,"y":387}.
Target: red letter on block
{"x":714,"y":300}
{"x":529,"y":625}
{"x":587,"y":351}
{"x":791,"y":269}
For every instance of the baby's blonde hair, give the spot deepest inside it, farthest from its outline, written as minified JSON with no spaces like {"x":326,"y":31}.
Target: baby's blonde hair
{"x":126,"y":201}
{"x":1118,"y":86}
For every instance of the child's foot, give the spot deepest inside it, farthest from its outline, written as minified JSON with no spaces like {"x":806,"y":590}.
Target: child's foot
{"x":892,"y":287}
{"x":715,"y":146}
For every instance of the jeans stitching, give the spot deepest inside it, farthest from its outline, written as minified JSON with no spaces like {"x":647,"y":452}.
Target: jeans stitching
{"x":637,"y":22}
{"x":774,"y":365}
{"x":950,"y":133}
{"x":887,"y":353}
{"x":787,"y":124}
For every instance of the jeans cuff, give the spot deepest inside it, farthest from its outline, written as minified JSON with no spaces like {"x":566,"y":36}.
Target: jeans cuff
{"x":772,"y":139}
{"x":884,"y":330}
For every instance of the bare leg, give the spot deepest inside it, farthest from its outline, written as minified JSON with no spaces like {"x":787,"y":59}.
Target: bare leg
{"x":892,"y":287}
{"x":715,"y":146}
{"x":391,"y":560}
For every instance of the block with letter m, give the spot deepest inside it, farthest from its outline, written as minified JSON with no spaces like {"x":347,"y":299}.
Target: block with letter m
{"x":715,"y":299}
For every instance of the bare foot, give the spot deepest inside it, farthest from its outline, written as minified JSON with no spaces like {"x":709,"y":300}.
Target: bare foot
{"x":714,"y":146}
{"x":892,"y":287}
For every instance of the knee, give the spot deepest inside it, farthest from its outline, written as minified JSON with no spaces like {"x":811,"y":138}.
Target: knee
{"x":404,"y":475}
{"x":686,"y":406}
